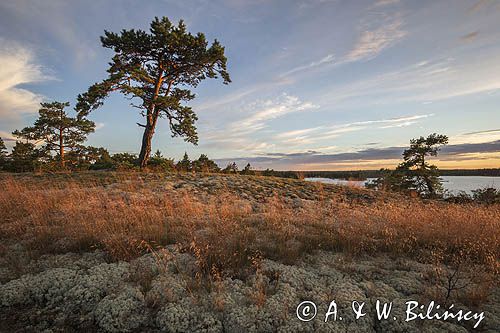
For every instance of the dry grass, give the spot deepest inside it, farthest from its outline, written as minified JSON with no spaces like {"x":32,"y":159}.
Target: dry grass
{"x":226,"y":234}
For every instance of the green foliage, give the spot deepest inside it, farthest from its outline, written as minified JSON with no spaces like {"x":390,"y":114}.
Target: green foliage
{"x":3,"y":149}
{"x":58,"y":131}
{"x":485,"y":196}
{"x":24,"y":158}
{"x":124,"y":161}
{"x":204,"y":164}
{"x":97,"y":158}
{"x":160,"y":163}
{"x":155,"y":68}
{"x":415,"y":174}
{"x":184,"y":164}
{"x":3,"y":154}
{"x":488,"y":195}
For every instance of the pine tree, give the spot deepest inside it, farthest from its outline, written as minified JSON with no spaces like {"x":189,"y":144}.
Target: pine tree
{"x":415,"y":173}
{"x":98,"y":158}
{"x":204,"y":164}
{"x":3,"y":154}
{"x":184,"y":164}
{"x":160,"y":163}
{"x":24,"y":157}
{"x":247,"y":170}
{"x":420,"y":175}
{"x":57,"y":130}
{"x":155,"y":68}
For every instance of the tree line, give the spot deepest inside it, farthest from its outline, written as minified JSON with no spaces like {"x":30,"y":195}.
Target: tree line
{"x":154,"y":69}
{"x":28,"y":157}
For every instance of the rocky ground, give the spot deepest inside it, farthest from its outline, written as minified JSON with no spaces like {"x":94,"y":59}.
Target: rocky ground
{"x":163,"y":291}
{"x":253,"y":188}
{"x":85,"y":292}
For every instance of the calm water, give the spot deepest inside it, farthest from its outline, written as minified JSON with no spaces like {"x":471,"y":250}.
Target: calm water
{"x":453,"y":184}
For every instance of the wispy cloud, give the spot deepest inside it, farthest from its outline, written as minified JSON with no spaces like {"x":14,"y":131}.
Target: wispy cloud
{"x":422,"y":82}
{"x":263,"y":111}
{"x":239,"y":134}
{"x":479,"y":5}
{"x":320,"y":133}
{"x":19,"y":67}
{"x":7,"y":137}
{"x":328,"y":59}
{"x":476,"y":137}
{"x":381,"y":3}
{"x":373,"y":42}
{"x":65,"y":28}
{"x":376,"y":36}
{"x":470,"y":36}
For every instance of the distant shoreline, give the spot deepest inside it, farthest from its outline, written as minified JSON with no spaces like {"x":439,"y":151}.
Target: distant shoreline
{"x":364,"y":174}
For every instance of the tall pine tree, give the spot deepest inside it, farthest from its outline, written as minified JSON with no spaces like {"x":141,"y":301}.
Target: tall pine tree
{"x":155,"y":68}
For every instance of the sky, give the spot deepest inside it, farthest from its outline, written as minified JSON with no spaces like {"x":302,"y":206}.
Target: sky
{"x":316,"y":84}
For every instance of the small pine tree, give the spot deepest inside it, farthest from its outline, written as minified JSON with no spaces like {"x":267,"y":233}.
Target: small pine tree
{"x":24,"y":157}
{"x":157,"y":154}
{"x":231,"y":168}
{"x":184,"y":164}
{"x":247,"y":170}
{"x":3,"y":154}
{"x":159,"y":163}
{"x":57,"y":130}
{"x":204,"y":164}
{"x":124,"y":161}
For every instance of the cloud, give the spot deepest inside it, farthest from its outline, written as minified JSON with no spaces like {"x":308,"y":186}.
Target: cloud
{"x":263,"y":111}
{"x":328,"y":59}
{"x":254,"y":117}
{"x":39,"y":16}
{"x":425,"y":81}
{"x":483,"y":132}
{"x":319,"y":133}
{"x":373,"y":42}
{"x":479,"y":5}
{"x":470,"y":36}
{"x":7,"y":137}
{"x":381,"y":3}
{"x":366,"y":158}
{"x":18,"y":67}
{"x":476,"y":137}
{"x":98,"y":126}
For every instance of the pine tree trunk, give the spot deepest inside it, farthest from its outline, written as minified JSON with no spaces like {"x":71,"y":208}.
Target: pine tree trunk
{"x":61,"y":149}
{"x":146,"y":145}
{"x":149,"y":129}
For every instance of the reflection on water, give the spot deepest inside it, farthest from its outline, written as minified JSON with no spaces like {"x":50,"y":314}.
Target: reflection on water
{"x":453,"y":184}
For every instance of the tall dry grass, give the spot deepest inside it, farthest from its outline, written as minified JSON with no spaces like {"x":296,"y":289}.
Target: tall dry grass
{"x":226,"y":233}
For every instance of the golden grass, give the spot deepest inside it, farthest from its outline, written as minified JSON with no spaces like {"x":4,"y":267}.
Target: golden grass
{"x":226,"y":233}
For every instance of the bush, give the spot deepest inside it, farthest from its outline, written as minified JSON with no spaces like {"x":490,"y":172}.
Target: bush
{"x":488,"y":195}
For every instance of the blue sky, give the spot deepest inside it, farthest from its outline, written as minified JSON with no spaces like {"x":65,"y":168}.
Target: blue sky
{"x":317,"y":84}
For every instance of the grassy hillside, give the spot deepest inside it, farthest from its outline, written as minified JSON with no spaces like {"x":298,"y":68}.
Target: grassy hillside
{"x":207,"y":247}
